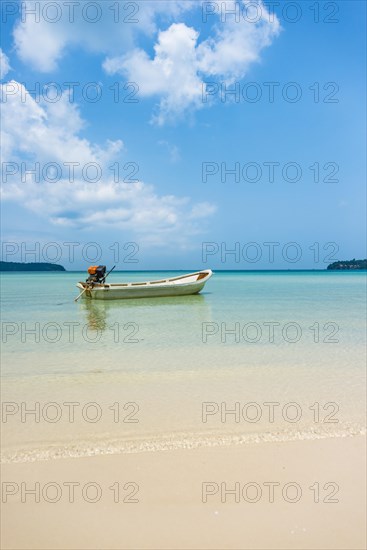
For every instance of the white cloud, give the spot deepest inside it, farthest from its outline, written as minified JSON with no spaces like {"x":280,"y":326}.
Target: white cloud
{"x":236,"y":45}
{"x":184,"y":57}
{"x":4,"y":64}
{"x":181,"y":64}
{"x":39,"y":44}
{"x":46,"y":30}
{"x":50,"y":133}
{"x":172,"y":73}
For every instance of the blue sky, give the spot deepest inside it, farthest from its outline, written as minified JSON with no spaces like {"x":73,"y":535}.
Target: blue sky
{"x":178,"y":146}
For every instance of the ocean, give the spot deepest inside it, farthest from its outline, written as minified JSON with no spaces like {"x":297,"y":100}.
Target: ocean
{"x":257,"y":356}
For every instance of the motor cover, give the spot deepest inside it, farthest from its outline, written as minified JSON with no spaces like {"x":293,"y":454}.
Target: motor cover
{"x":96,"y":273}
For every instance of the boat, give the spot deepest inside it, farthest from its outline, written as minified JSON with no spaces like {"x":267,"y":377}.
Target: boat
{"x":96,"y":288}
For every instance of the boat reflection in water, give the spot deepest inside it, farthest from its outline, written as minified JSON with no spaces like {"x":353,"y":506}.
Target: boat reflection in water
{"x":166,"y":315}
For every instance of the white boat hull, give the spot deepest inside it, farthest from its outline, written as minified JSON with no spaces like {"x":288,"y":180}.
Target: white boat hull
{"x":185,"y":285}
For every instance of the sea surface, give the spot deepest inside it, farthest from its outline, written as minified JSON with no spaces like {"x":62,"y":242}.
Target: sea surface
{"x":257,"y":356}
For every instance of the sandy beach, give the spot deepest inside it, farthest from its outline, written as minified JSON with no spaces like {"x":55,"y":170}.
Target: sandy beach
{"x":175,"y":443}
{"x":183,"y":275}
{"x":278,"y":495}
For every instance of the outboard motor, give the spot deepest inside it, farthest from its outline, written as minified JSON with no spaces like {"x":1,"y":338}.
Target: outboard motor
{"x":97,"y":274}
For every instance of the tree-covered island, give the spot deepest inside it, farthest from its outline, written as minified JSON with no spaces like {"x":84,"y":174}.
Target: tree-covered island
{"x":348,"y":264}
{"x":18,"y":266}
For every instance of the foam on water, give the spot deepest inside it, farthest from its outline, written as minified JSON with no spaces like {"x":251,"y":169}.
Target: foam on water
{"x":171,"y":442}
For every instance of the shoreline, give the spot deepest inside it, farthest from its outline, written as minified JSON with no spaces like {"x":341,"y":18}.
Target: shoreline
{"x":170,"y":442}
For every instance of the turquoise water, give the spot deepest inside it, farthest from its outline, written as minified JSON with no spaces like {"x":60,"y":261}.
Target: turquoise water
{"x":249,"y":337}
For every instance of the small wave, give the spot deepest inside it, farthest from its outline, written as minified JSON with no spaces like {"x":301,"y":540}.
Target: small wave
{"x":170,"y":443}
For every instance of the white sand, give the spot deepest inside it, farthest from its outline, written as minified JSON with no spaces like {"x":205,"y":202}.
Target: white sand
{"x":170,"y":513}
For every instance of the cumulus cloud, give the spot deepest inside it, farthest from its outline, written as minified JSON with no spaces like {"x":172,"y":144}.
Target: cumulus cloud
{"x":181,"y":64}
{"x":4,"y":64}
{"x":183,"y":58}
{"x":172,"y":73}
{"x":44,"y":158}
{"x":46,"y":30}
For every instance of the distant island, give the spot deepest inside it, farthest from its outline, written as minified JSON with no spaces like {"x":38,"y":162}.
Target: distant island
{"x":17,"y":266}
{"x":348,"y":264}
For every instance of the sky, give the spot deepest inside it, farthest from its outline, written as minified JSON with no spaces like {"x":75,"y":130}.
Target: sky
{"x":182,"y":135}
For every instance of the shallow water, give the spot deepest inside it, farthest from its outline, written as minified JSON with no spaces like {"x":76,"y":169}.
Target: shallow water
{"x":255,"y":356}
